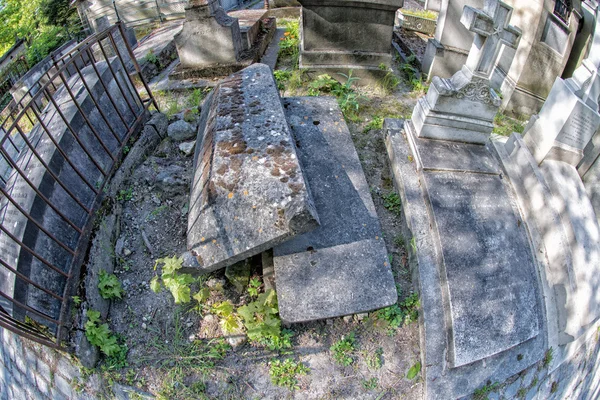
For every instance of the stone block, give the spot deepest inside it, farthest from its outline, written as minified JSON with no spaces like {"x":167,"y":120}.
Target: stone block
{"x":249,"y":192}
{"x":325,"y":41}
{"x":340,"y":268}
{"x":563,"y":128}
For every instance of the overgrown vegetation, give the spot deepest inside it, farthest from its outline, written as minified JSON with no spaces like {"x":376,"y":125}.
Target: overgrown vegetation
{"x":289,"y":44}
{"x":401,"y":313}
{"x":102,"y":337}
{"x":421,"y":13}
{"x":389,"y":82}
{"x":413,"y":76}
{"x":109,"y":286}
{"x":285,"y":373}
{"x":505,"y":125}
{"x":483,"y":392}
{"x":347,"y":97}
{"x":342,"y":349}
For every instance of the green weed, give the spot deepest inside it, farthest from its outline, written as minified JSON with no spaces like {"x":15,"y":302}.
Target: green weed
{"x":420,"y":13}
{"x":102,"y":337}
{"x":125,"y":195}
{"x":401,"y":313}
{"x":289,"y":44}
{"x":109,"y":286}
{"x":374,"y":360}
{"x":285,"y":373}
{"x":375,"y":123}
{"x":389,"y":82}
{"x":343,"y":348}
{"x":413,"y":371}
{"x":370,"y":384}
{"x":178,"y":284}
{"x":548,"y":357}
{"x":151,"y":58}
{"x":282,"y":77}
{"x":392,"y":202}
{"x":505,"y":125}
{"x":483,"y":392}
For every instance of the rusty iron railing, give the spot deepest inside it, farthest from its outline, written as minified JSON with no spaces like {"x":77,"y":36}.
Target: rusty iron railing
{"x":59,"y":145}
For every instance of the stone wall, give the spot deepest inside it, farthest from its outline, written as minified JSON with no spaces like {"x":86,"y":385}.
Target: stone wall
{"x":31,"y":371}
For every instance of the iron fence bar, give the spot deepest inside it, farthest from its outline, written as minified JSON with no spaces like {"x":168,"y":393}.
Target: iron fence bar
{"x":112,"y":130}
{"x":138,"y":69}
{"x":62,"y":153}
{"x":87,"y":121}
{"x":28,"y":181}
{"x":115,"y":76}
{"x":35,"y":336}
{"x":26,"y":279}
{"x":110,"y":97}
{"x":26,"y":307}
{"x":33,"y":252}
{"x":76,"y":136}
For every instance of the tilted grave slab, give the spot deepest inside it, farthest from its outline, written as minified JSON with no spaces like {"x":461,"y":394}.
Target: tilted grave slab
{"x":80,"y":175}
{"x":482,"y":313}
{"x":341,"y":267}
{"x":249,"y":192}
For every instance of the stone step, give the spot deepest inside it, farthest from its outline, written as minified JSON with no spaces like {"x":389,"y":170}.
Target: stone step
{"x":342,"y":267}
{"x":249,"y":192}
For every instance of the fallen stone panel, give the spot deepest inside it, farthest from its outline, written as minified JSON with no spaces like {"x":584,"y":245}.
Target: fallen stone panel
{"x":341,"y":267}
{"x":249,"y":193}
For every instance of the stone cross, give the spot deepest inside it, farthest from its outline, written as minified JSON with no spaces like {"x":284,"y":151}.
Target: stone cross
{"x":491,"y":31}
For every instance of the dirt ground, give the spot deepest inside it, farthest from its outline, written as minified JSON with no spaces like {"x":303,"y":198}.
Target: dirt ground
{"x":180,"y":351}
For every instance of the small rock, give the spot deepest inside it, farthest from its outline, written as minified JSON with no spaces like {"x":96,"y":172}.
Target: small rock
{"x":164,"y":148}
{"x":192,"y":337}
{"x":189,"y":261}
{"x":126,"y":252}
{"x":144,"y":319}
{"x":181,"y":130}
{"x":119,"y":246}
{"x":329,"y":321}
{"x":172,"y":179}
{"x":236,"y":340}
{"x":187,"y":148}
{"x":209,"y":318}
{"x":215,"y":283}
{"x":361,"y":316}
{"x":348,"y":318}
{"x":189,"y":324}
{"x":144,"y":326}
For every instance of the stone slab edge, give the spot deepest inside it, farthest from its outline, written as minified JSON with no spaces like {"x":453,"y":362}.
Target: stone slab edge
{"x":526,"y":189}
{"x":441,"y":381}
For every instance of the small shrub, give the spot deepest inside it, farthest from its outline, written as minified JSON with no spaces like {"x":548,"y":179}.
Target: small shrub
{"x":285,"y":373}
{"x":109,"y":286}
{"x":343,"y":348}
{"x":102,"y":337}
{"x":178,"y":284}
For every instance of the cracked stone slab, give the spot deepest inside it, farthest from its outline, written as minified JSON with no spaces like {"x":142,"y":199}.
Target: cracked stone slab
{"x":342,"y":267}
{"x":249,"y":192}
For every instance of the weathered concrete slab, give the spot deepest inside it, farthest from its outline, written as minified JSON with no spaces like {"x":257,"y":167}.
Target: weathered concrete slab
{"x":249,"y":22}
{"x":436,"y":272}
{"x":341,"y":267}
{"x":249,"y":193}
{"x":487,"y":261}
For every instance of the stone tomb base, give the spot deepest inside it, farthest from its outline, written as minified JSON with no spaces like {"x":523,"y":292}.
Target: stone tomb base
{"x":256,"y":30}
{"x":482,"y":317}
{"x":341,"y":267}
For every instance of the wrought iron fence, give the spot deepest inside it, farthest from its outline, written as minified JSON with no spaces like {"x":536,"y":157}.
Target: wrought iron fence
{"x":137,"y":12}
{"x":59,"y":145}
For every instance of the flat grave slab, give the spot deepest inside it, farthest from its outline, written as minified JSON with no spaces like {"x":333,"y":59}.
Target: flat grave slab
{"x":249,"y":193}
{"x":341,"y":267}
{"x":487,"y":263}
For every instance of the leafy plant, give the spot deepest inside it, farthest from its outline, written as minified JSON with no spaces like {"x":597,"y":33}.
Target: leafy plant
{"x":230,"y":321}
{"x":548,"y":357}
{"x":370,"y":384}
{"x":254,"y":286}
{"x":343,"y":348}
{"x":178,"y":284}
{"x":151,"y":58}
{"x":289,"y":44}
{"x":375,"y":123}
{"x":392,"y":202}
{"x":125,"y":195}
{"x":505,"y":125}
{"x":413,"y":371}
{"x":483,"y":392}
{"x":400,"y":313}
{"x":102,"y":337}
{"x":282,"y":77}
{"x":375,"y":360}
{"x":76,"y":300}
{"x":261,"y":317}
{"x":285,"y":373}
{"x":196,"y":97}
{"x":413,"y":75}
{"x":389,"y":82}
{"x":109,"y":286}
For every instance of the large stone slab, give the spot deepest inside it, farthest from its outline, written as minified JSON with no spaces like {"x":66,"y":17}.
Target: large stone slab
{"x":341,"y":267}
{"x":482,"y":315}
{"x":347,"y":34}
{"x":249,"y":192}
{"x":486,"y":261}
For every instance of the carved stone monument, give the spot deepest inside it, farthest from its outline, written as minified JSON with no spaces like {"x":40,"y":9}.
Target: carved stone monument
{"x":462,"y":108}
